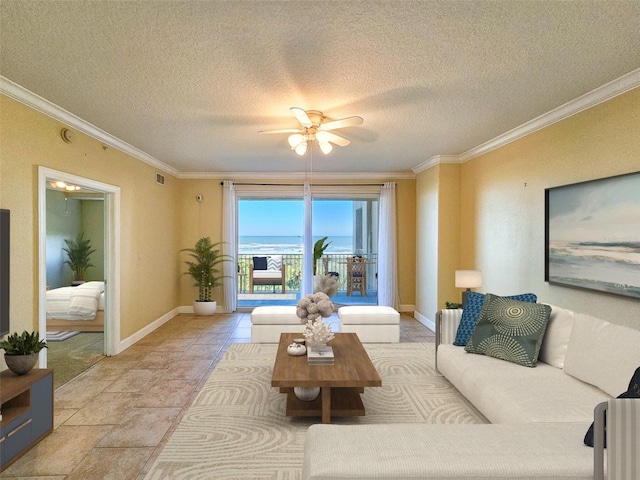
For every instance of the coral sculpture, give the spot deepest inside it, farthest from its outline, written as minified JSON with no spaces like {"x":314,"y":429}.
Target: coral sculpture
{"x":317,"y":333}
{"x":314,"y":306}
{"x":329,"y":285}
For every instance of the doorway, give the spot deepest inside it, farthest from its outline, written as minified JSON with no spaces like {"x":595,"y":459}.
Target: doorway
{"x":110,"y":210}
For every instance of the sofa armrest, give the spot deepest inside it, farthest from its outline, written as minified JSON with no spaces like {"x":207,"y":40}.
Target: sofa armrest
{"x":622,"y":430}
{"x":447,"y":322}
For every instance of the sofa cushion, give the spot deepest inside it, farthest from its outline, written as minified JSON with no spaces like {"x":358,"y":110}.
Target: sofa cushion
{"x":556,"y":338}
{"x":510,"y":330}
{"x":439,"y":452}
{"x":602,"y":353}
{"x":505,"y":392}
{"x":471,"y":311}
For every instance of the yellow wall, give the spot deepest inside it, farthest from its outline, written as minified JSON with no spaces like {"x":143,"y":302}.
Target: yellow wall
{"x":502,"y":204}
{"x":438,"y":237}
{"x":149,"y":215}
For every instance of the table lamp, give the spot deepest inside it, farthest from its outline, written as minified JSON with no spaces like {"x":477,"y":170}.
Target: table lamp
{"x":468,"y":279}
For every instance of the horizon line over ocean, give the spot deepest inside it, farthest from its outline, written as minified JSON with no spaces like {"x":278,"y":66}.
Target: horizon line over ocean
{"x":283,"y":244}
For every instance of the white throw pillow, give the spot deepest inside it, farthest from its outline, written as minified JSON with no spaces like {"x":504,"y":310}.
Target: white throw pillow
{"x":556,"y":338}
{"x":602,"y":354}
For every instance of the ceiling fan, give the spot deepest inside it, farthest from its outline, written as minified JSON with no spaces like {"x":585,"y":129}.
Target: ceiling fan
{"x":313,"y":128}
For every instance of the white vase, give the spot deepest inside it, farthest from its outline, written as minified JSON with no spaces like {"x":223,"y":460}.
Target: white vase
{"x":306,"y":394}
{"x":316,"y":282}
{"x":204,"y":308}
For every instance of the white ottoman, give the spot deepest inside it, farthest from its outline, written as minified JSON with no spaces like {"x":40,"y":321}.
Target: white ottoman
{"x":372,"y":324}
{"x":267,"y":323}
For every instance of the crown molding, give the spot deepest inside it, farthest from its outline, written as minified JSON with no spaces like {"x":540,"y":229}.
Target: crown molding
{"x":590,"y":99}
{"x":300,"y":176}
{"x":435,"y":160}
{"x":42,"y":105}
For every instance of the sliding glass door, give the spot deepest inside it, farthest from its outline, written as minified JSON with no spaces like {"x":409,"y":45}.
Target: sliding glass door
{"x":271,"y":248}
{"x":351,"y":228}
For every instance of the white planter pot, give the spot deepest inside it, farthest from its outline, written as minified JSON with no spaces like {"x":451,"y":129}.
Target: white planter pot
{"x":204,"y":308}
{"x":316,"y":282}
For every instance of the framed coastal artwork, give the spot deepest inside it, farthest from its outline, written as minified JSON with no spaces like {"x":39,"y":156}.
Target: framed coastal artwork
{"x":592,"y":235}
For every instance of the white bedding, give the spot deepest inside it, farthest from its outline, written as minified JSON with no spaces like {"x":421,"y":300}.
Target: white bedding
{"x":76,"y":303}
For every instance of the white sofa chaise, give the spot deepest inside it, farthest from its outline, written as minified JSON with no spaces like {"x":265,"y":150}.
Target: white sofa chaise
{"x":539,"y":415}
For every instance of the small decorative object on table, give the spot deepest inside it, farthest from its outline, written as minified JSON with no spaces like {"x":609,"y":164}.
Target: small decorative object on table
{"x":310,"y":310}
{"x":296,"y":349}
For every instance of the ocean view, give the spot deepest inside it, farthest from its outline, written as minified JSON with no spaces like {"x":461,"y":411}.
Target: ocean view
{"x":266,"y":244}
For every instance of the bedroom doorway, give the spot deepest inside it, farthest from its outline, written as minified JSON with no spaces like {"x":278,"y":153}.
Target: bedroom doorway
{"x":101,"y":201}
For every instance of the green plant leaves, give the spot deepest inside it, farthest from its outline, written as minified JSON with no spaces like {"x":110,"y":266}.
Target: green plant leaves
{"x":24,"y":344}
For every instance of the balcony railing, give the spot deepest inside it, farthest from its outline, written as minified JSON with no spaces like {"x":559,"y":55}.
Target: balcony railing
{"x":336,"y":263}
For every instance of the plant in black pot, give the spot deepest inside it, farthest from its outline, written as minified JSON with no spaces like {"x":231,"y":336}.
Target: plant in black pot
{"x":79,"y":253}
{"x":204,"y":268}
{"x":21,"y":351}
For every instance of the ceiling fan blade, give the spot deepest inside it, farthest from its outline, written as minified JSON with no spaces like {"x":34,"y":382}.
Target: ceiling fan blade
{"x":342,"y":123}
{"x":286,"y":130}
{"x":337,"y":139}
{"x":301,"y":116}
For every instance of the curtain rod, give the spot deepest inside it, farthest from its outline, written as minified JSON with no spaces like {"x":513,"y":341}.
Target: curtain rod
{"x":314,"y":184}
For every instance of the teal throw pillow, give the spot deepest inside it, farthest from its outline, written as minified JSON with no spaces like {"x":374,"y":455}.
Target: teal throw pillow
{"x":471,"y":312}
{"x":510,"y":330}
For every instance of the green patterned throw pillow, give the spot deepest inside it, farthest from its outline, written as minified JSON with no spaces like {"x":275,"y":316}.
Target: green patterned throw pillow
{"x":510,"y":330}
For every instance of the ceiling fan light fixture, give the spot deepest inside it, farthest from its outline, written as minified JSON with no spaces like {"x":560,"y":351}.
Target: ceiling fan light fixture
{"x":301,"y":148}
{"x":295,"y":140}
{"x":325,"y":147}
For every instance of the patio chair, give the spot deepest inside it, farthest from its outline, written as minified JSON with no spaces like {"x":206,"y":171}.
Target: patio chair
{"x":267,"y":270}
{"x":356,"y":275}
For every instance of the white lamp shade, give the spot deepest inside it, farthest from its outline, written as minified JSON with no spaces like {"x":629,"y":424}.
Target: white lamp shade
{"x":468,"y":279}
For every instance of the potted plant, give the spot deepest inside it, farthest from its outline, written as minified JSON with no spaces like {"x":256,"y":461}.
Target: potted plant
{"x":21,"y":351}
{"x":79,"y":252}
{"x":318,"y":250}
{"x":204,"y":268}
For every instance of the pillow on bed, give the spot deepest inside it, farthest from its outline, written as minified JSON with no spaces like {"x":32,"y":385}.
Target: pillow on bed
{"x":84,"y":299}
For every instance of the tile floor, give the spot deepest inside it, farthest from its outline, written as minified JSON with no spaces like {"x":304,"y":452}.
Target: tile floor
{"x":112,"y":420}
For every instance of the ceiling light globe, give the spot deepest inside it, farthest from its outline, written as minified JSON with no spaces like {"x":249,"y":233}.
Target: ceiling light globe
{"x":325,"y":147}
{"x":301,"y":148}
{"x":295,"y":140}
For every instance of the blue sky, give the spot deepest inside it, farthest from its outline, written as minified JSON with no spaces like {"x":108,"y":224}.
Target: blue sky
{"x":284,"y":217}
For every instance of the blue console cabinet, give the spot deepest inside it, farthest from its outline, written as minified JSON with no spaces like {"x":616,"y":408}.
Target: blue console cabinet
{"x":26,"y":406}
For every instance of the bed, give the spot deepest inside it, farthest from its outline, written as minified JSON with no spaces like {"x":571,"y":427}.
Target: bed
{"x":76,"y":309}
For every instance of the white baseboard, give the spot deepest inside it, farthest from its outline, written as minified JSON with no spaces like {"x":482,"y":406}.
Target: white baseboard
{"x":406,"y":308}
{"x":189,"y":309}
{"x":143,"y":332}
{"x":430,"y":324}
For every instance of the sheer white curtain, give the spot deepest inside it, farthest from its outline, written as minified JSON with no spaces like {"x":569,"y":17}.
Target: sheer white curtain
{"x":307,"y":252}
{"x":387,"y":248}
{"x":230,"y":246}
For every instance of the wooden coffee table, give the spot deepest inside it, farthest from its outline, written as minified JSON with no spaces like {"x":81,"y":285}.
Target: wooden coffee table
{"x":340,"y":384}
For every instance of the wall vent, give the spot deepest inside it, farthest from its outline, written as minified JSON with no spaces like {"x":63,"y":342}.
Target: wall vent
{"x":159,"y":178}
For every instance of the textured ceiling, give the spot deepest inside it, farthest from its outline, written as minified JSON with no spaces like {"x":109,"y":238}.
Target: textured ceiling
{"x":191,"y":82}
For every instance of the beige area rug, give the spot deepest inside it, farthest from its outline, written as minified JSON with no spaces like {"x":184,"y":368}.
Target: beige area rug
{"x":236,"y":427}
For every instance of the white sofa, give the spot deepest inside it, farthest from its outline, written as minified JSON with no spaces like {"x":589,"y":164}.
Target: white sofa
{"x":539,"y":415}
